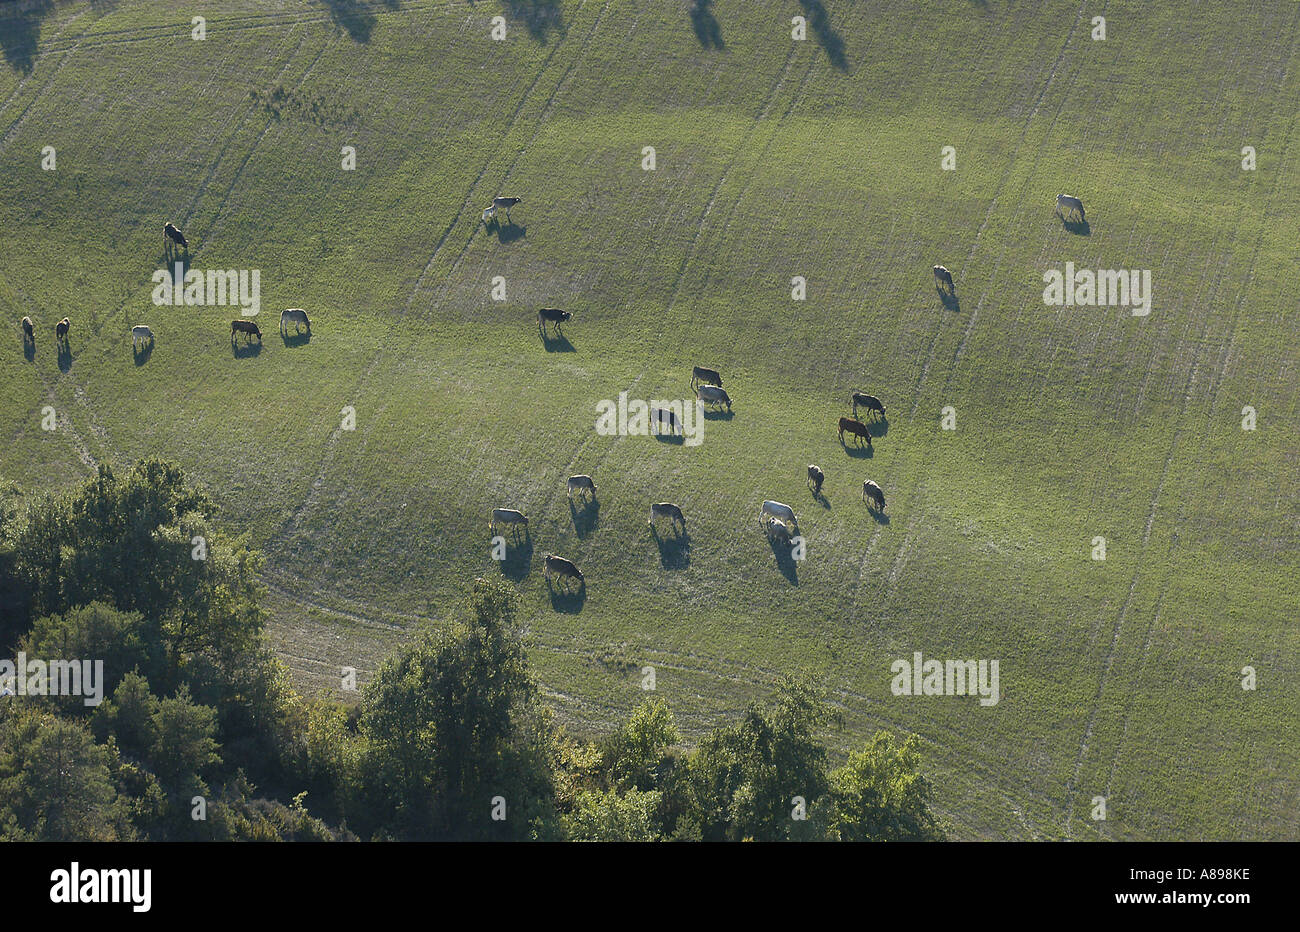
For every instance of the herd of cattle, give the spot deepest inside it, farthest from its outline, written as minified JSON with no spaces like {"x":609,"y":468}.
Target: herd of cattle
{"x":776,"y":518}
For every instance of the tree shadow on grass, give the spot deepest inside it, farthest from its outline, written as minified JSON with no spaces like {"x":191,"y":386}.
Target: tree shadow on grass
{"x":20,"y":32}
{"x":831,"y":41}
{"x":784,"y":561}
{"x":587,"y":518}
{"x":519,"y":560}
{"x":354,"y":17}
{"x":539,"y":17}
{"x":707,"y":29}
{"x":675,"y":551}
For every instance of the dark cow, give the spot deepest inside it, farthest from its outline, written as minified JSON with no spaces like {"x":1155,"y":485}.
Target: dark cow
{"x":246,"y":327}
{"x":870,"y":402}
{"x":815,"y":478}
{"x":854,"y":427}
{"x":943,"y":279}
{"x":582,"y":485}
{"x":661,"y":416}
{"x":561,"y":567}
{"x":29,"y":331}
{"x":61,"y":329}
{"x":707,"y":376}
{"x":872,"y":491}
{"x":173,"y":235}
{"x":667,"y":510}
{"x":553,"y":316}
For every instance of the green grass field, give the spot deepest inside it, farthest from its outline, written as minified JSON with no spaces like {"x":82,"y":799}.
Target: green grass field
{"x":775,"y":158}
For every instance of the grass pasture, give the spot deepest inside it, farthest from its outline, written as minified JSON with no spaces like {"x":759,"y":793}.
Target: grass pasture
{"x":774,"y":159}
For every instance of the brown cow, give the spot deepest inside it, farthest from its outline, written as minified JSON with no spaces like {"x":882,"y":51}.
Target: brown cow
{"x":245,"y":327}
{"x":562,"y":568}
{"x":29,"y":331}
{"x":854,"y":427}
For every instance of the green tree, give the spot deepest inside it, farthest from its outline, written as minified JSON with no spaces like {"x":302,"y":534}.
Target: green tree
{"x":609,"y":816}
{"x":880,"y":794}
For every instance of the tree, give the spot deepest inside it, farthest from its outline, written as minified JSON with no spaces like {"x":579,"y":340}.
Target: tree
{"x":634,"y":755}
{"x":609,"y":816}
{"x":880,"y":794}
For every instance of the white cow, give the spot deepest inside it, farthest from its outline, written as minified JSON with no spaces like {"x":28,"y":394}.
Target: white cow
{"x":296,"y":316}
{"x":506,"y":516}
{"x":778,"y":510}
{"x":581,"y":484}
{"x":713,"y":395}
{"x":139,"y":334}
{"x":1067,"y":205}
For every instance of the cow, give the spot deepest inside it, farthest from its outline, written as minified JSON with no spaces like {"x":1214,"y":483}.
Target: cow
{"x":553,"y":316}
{"x":870,"y":402}
{"x":561,"y":567}
{"x":173,"y":235}
{"x":140,"y":333}
{"x":500,"y":203}
{"x":29,"y":330}
{"x":815,"y":478}
{"x":872,"y":491}
{"x":661,"y":416}
{"x":943,"y":279}
{"x":667,"y":510}
{"x":778,"y":510}
{"x":712,"y":395}
{"x":246,"y":327}
{"x":507,"y":516}
{"x":61,"y":329}
{"x":582,"y":485}
{"x":707,"y":376}
{"x":296,"y":316}
{"x":1067,"y":205}
{"x":778,"y":531}
{"x":856,"y":428}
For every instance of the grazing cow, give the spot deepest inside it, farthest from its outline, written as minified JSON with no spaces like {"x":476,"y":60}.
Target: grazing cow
{"x":1067,"y":205}
{"x":778,"y":531}
{"x":246,"y":327}
{"x":582,"y":485}
{"x":296,"y":316}
{"x":707,"y":376}
{"x":943,"y":279}
{"x":173,"y":235}
{"x":29,"y":331}
{"x":507,"y":516}
{"x":502,"y":203}
{"x":856,"y":428}
{"x":661,"y":416}
{"x":61,"y":329}
{"x":140,"y":333}
{"x":553,"y":316}
{"x":815,"y":478}
{"x":667,"y":510}
{"x":712,"y":395}
{"x":561,"y":567}
{"x":870,"y":402}
{"x":778,"y":510}
{"x":872,"y":491}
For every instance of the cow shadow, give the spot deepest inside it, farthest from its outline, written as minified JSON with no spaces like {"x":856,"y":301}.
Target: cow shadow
{"x":831,"y":41}
{"x":141,"y":353}
{"x":878,"y":428}
{"x":508,"y":233}
{"x":674,"y":551}
{"x":519,"y":560}
{"x":857,"y":451}
{"x":675,"y":439}
{"x":1077,"y":227}
{"x":587,"y":518}
{"x":568,"y":601}
{"x":784,"y":561}
{"x":879,"y":516}
{"x":65,"y":355}
{"x":949,"y":298}
{"x":718,"y":414}
{"x":246,"y":349}
{"x":29,"y":349}
{"x":173,"y":254}
{"x":821,"y":499}
{"x":558,"y":343}
{"x":707,"y":29}
{"x":295,"y":339}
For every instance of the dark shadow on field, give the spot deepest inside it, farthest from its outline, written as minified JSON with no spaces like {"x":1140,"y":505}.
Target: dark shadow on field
{"x":821,"y":499}
{"x":295,"y":339}
{"x":858,"y":451}
{"x":949,"y":299}
{"x":354,"y":17}
{"x":519,"y":560}
{"x":65,"y":354}
{"x":539,"y":17}
{"x":784,"y":562}
{"x":675,"y":439}
{"x":706,"y":26}
{"x":675,"y":551}
{"x":587,"y":518}
{"x":568,"y":600}
{"x":880,"y":516}
{"x":878,"y":428}
{"x":246,"y":349}
{"x":508,"y":233}
{"x":141,"y":352}
{"x":29,"y":348}
{"x":20,"y":32}
{"x":1077,"y":227}
{"x":718,"y":414}
{"x":169,"y":261}
{"x":555,"y":344}
{"x":831,"y":41}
